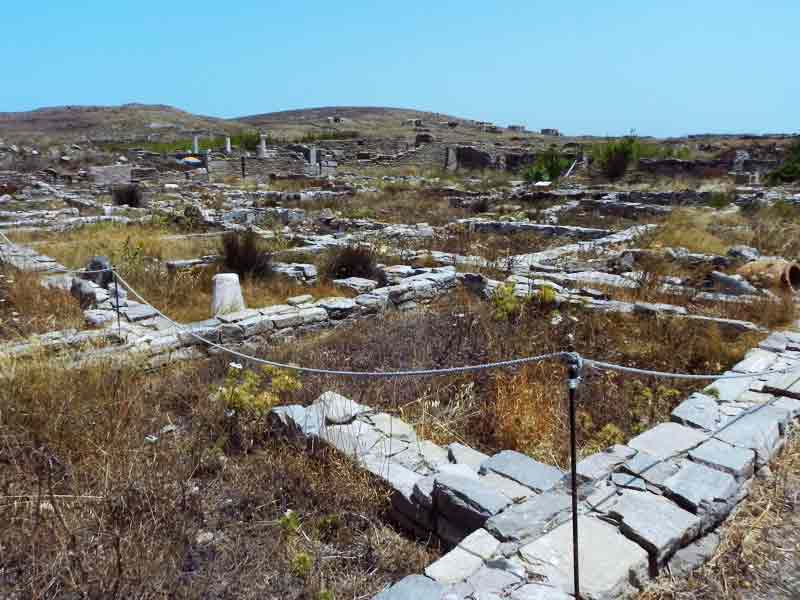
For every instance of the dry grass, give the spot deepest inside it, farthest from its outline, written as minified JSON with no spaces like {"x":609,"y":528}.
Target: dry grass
{"x":90,"y":508}
{"x":688,"y":229}
{"x":759,"y":554}
{"x":27,"y":308}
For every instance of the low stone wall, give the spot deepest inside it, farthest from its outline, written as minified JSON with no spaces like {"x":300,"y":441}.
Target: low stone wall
{"x":643,"y":506}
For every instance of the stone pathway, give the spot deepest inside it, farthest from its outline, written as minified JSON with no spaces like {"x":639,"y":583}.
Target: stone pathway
{"x":507,"y":517}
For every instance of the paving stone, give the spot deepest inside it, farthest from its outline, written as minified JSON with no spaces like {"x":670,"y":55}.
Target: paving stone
{"x":423,"y":490}
{"x":277,"y":309}
{"x":433,"y":454}
{"x":413,"y":587}
{"x":508,"y":487}
{"x":461,"y":454}
{"x":600,"y":464}
{"x":610,"y":563}
{"x":698,"y":410}
{"x":313,"y":314}
{"x":353,"y":439}
{"x":286,"y":320}
{"x":255,"y":325}
{"x":139,"y":312}
{"x":480,"y":543}
{"x":523,"y":469}
{"x":337,"y":308}
{"x":237,"y":316}
{"x":392,"y":426}
{"x":653,"y":522}
{"x":790,"y":405}
{"x":787,"y":384}
{"x":537,"y":591}
{"x":455,"y":566}
{"x":694,"y":555}
{"x":488,"y":580}
{"x":758,"y":430}
{"x":667,"y":439}
{"x":627,"y":481}
{"x":230,"y":332}
{"x":296,"y":419}
{"x":338,"y":409}
{"x":466,"y":501}
{"x":727,"y":390}
{"x":702,"y":490}
{"x":775,"y":342}
{"x":532,"y":517}
{"x":755,"y":361}
{"x":736,"y":461}
{"x":459,"y":591}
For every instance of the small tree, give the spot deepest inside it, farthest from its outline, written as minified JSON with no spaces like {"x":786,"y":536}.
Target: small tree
{"x":614,"y":158}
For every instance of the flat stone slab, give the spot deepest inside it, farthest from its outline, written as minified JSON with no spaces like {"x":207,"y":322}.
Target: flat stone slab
{"x":139,"y":312}
{"x":667,"y":439}
{"x":758,"y":430}
{"x":787,"y":384}
{"x":488,"y":580}
{"x":701,"y":489}
{"x":353,"y":439}
{"x":508,"y":487}
{"x":532,"y":517}
{"x":466,"y":501}
{"x":653,"y":522}
{"x":722,"y":456}
{"x":523,"y":469}
{"x":413,"y":587}
{"x":480,"y":543}
{"x":609,"y":561}
{"x":337,"y":409}
{"x":700,"y":411}
{"x":755,"y":361}
{"x":461,"y":454}
{"x":600,"y":464}
{"x":536,"y":591}
{"x":392,"y":426}
{"x":455,"y":566}
{"x":728,"y":390}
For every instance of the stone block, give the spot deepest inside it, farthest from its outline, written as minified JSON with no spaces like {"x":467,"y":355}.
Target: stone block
{"x":353,"y":439}
{"x":481,"y":543}
{"x":653,"y":522}
{"x":255,"y":325}
{"x":610,"y":563}
{"x":758,"y":430}
{"x":488,"y":580}
{"x":728,"y":390}
{"x":523,"y":469}
{"x":454,"y":567}
{"x":702,"y":490}
{"x":337,"y":308}
{"x":239,"y":315}
{"x":413,"y":587}
{"x":698,"y":410}
{"x":755,"y":361}
{"x":288,"y":319}
{"x":297,"y":300}
{"x":724,"y":457}
{"x":313,"y":314}
{"x":532,"y":517}
{"x":667,"y":439}
{"x":337,"y":409}
{"x":392,"y":426}
{"x":787,"y":384}
{"x":465,"y":501}
{"x":508,"y":487}
{"x":600,"y":464}
{"x":537,"y":591}
{"x":296,"y":419}
{"x":694,"y":555}
{"x":433,"y":454}
{"x":461,"y":454}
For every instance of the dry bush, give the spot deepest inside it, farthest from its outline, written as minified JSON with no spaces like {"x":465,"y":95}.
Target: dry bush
{"x":127,"y":195}
{"x":687,"y":229}
{"x":93,"y":507}
{"x":351,"y":261}
{"x":26,"y":307}
{"x":245,"y":254}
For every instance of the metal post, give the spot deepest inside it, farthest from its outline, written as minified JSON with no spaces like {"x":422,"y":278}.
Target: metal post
{"x":574,"y":380}
{"x":243,"y":167}
{"x":116,"y":295}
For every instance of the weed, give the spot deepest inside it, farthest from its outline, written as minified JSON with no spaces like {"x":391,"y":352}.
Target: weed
{"x":350,"y":261}
{"x":290,"y":522}
{"x":245,"y":254}
{"x":302,"y":562}
{"x":505,"y":303}
{"x":789,"y":171}
{"x":613,"y":158}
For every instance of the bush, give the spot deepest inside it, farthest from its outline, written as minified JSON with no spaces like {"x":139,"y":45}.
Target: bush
{"x":789,"y":171}
{"x":351,"y":261}
{"x":614,"y":158}
{"x":245,"y":254}
{"x":548,"y":167}
{"x":127,"y":195}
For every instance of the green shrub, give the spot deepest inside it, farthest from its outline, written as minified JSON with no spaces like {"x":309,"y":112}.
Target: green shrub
{"x":789,"y":171}
{"x":548,"y":167}
{"x":721,"y":199}
{"x":505,"y":304}
{"x":614,"y":157}
{"x":245,"y":254}
{"x":302,"y":562}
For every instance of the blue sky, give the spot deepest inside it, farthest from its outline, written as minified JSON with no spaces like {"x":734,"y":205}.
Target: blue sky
{"x":662,"y":68}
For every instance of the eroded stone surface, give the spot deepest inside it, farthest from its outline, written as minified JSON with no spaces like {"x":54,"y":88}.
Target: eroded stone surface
{"x":523,"y":469}
{"x":667,"y":439}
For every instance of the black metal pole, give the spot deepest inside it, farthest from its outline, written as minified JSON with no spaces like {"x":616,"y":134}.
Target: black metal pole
{"x":116,"y":295}
{"x":574,"y":378}
{"x":243,"y":167}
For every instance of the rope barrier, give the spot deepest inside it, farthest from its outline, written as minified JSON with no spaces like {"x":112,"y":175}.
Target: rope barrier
{"x":563,"y":355}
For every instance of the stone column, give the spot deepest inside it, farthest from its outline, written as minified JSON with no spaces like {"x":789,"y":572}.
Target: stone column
{"x":227,"y":294}
{"x":228,"y":150}
{"x":195,"y":144}
{"x":262,"y":147}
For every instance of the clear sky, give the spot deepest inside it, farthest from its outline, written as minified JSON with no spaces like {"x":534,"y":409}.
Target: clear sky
{"x":660,"y":67}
